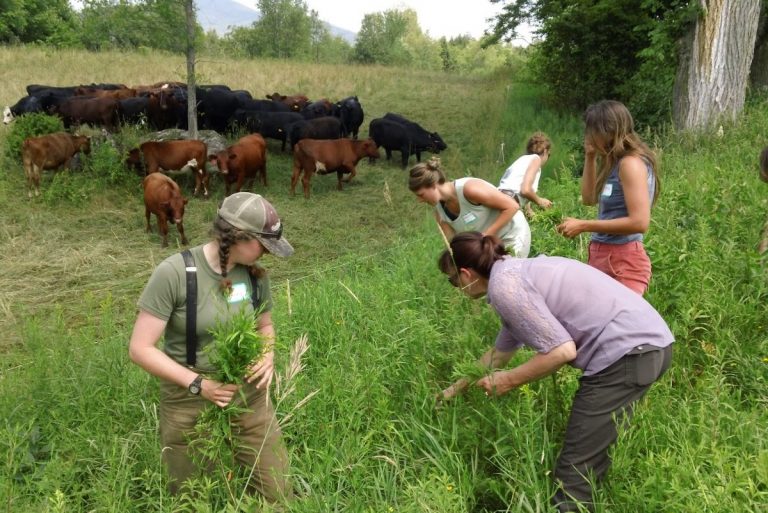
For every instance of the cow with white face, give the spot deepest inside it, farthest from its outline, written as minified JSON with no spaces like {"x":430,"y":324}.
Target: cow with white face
{"x":24,"y":106}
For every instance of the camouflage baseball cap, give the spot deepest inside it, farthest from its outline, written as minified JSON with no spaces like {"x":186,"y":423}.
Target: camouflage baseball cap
{"x":255,"y":215}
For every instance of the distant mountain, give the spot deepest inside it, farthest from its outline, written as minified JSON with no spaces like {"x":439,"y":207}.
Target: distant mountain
{"x":222,"y":15}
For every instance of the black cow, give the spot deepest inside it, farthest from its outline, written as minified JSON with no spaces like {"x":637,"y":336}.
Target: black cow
{"x":272,"y":125}
{"x":420,"y":138}
{"x":215,"y":107}
{"x":405,"y":138}
{"x":263,"y":106}
{"x":26,"y":105}
{"x":132,"y":110}
{"x":350,"y":113}
{"x":326,"y":127}
{"x":318,"y":109}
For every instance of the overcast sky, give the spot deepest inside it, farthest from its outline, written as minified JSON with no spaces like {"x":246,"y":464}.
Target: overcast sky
{"x":438,"y":17}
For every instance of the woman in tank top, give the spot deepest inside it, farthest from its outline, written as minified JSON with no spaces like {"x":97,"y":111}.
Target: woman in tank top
{"x":620,"y":176}
{"x":471,"y":204}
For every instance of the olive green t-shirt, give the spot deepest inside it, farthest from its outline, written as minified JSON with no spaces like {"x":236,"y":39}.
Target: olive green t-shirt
{"x":165,"y":297}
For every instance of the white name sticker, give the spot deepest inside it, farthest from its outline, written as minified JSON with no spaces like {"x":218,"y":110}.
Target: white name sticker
{"x":239,"y":292}
{"x":608,"y":189}
{"x":469,"y":218}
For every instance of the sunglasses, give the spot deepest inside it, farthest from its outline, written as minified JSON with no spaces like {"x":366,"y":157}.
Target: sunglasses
{"x":272,"y":235}
{"x":453,"y":279}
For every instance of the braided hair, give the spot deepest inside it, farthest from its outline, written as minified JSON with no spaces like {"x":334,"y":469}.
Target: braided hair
{"x":226,"y":236}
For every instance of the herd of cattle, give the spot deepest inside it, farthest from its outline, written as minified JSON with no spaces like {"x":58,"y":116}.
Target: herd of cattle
{"x":318,"y":133}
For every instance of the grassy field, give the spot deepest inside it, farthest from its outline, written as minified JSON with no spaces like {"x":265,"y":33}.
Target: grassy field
{"x":386,"y":332}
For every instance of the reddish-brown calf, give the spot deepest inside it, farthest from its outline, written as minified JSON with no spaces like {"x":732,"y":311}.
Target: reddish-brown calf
{"x":163,"y":198}
{"x":242,"y":162}
{"x":49,"y":152}
{"x":327,"y":156}
{"x":184,"y":156}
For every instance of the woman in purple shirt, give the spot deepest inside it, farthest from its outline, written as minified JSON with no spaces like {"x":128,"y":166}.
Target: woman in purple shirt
{"x":620,"y":175}
{"x":569,"y":313}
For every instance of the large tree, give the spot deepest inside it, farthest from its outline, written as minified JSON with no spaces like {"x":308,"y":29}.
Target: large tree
{"x":647,"y":53}
{"x":714,"y":66}
{"x":380,"y":40}
{"x":121,"y":24}
{"x":37,"y":21}
{"x":283,"y":30}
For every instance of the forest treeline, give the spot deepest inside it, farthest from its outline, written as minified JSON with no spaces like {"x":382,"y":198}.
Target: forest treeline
{"x":287,"y":29}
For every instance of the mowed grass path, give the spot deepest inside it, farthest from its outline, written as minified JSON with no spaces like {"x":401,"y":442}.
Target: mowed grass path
{"x":386,"y":332}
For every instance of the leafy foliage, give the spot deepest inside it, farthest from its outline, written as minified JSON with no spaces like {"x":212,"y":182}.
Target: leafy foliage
{"x":157,"y":24}
{"x":237,"y":345}
{"x":618,"y":49}
{"x":29,"y":125}
{"x":37,"y":21}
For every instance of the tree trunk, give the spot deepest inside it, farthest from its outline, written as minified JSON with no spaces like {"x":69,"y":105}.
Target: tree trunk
{"x":714,"y":66}
{"x":191,"y":82}
{"x":758,"y":77}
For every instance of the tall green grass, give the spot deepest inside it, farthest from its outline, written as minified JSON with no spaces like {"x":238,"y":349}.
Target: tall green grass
{"x":386,"y":331}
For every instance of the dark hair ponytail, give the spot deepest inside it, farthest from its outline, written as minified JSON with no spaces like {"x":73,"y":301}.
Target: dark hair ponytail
{"x":472,"y":250}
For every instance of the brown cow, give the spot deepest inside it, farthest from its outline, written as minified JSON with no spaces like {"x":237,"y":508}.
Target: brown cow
{"x":183,"y":156}
{"x":50,"y":152}
{"x":243,"y":161}
{"x":84,"y":109}
{"x":327,"y":156}
{"x":94,"y":92}
{"x":163,"y":198}
{"x":295,"y":102}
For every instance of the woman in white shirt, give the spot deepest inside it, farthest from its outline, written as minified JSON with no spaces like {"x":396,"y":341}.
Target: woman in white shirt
{"x":521,"y":179}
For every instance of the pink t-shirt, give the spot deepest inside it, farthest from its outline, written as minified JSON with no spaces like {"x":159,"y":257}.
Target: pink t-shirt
{"x":546,"y":301}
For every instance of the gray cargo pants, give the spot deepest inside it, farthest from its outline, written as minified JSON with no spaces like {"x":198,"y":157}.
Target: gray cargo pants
{"x":602,"y":402}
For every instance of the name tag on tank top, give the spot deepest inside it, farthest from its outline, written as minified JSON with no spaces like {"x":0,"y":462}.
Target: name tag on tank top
{"x":608,"y":189}
{"x":469,"y":218}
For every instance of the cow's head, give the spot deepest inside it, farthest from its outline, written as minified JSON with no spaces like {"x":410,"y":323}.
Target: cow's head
{"x":7,"y":115}
{"x":437,"y":142}
{"x":135,"y":161}
{"x":220,"y":160}
{"x":82,"y":143}
{"x":174,"y":208}
{"x":370,"y":149}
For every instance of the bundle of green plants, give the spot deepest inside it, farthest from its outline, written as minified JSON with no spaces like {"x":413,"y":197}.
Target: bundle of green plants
{"x":236,"y":347}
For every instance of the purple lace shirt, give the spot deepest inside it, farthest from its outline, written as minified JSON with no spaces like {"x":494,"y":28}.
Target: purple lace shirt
{"x":546,"y":301}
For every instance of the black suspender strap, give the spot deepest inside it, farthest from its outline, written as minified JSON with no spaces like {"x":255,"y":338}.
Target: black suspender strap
{"x":255,"y":293}
{"x":189,"y":263}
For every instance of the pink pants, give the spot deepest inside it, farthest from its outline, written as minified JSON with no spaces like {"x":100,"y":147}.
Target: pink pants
{"x":626,"y":263}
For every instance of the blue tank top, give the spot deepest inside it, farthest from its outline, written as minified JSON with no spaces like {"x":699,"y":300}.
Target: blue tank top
{"x":612,"y":205}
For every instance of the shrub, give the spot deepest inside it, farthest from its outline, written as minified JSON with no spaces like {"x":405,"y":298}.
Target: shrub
{"x":30,"y":125}
{"x":105,"y":163}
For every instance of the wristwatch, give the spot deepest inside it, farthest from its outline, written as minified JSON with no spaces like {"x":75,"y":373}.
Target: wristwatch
{"x":196,"y":385}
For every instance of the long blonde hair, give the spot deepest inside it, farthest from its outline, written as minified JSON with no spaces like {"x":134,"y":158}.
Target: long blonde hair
{"x":612,"y":120}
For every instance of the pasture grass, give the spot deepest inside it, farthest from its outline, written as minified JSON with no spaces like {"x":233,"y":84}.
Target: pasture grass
{"x":385,"y":330}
